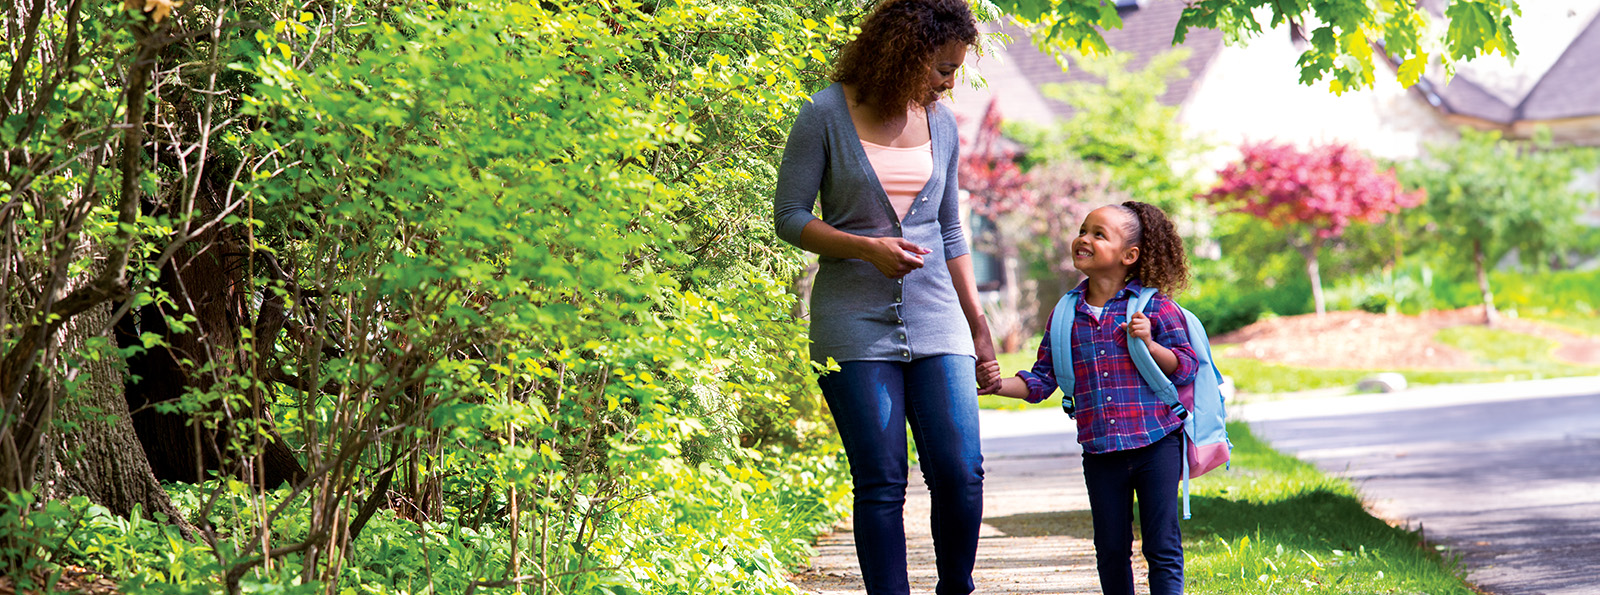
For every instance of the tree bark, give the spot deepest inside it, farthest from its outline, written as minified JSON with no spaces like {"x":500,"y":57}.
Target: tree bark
{"x":96,"y":454}
{"x":181,"y":448}
{"x":1313,"y":271}
{"x":1490,"y":316}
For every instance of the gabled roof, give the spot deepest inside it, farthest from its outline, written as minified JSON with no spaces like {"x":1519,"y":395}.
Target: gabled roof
{"x":1556,"y":76}
{"x":1146,"y":32}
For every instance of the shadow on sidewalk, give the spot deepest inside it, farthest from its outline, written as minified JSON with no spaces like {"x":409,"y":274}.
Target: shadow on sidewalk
{"x":1071,"y":523}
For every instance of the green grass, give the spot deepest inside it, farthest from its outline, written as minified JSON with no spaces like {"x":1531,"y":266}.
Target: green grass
{"x":1586,"y":325}
{"x":1258,"y":377}
{"x":1504,"y":355}
{"x":1275,"y":524}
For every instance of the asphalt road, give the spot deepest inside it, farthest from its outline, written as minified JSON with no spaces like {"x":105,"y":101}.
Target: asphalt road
{"x":1506,"y":475}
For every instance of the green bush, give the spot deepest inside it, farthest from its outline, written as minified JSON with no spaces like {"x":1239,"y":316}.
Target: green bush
{"x":1554,"y":292}
{"x":1408,"y":291}
{"x":532,"y":311}
{"x":1224,"y":308}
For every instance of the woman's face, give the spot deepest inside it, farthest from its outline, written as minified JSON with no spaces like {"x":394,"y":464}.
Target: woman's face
{"x":942,"y":72}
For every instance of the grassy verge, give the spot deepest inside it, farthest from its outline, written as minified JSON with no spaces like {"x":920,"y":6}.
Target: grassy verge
{"x":1504,"y":355}
{"x":1274,"y":524}
{"x":1258,"y":377}
{"x":1588,"y":325}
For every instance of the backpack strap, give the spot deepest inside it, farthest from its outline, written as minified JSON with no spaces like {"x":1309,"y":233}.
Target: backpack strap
{"x":1061,"y":348}
{"x":1146,"y":363}
{"x":1161,"y":385}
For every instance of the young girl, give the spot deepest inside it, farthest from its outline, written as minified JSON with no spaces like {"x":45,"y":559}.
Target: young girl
{"x":1132,"y":443}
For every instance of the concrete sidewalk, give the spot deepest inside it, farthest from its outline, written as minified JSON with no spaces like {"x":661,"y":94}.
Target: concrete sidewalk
{"x":1036,"y":533}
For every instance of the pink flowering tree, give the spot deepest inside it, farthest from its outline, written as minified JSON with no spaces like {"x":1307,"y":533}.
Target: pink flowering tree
{"x":1318,"y":191}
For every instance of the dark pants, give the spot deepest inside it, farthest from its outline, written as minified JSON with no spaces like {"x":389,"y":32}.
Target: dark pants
{"x":871,"y":403}
{"x":1153,"y":473}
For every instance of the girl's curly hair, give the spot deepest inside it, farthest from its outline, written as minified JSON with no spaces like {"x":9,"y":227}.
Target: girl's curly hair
{"x":1163,"y":263}
{"x":888,"y":63}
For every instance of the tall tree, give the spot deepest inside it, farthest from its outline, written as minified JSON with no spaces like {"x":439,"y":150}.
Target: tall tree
{"x":1489,"y":196}
{"x":1121,"y":127}
{"x":1319,"y":191}
{"x":74,"y":114}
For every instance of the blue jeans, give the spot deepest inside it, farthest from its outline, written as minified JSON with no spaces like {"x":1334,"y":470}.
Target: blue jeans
{"x":1153,"y":473}
{"x":871,"y":403}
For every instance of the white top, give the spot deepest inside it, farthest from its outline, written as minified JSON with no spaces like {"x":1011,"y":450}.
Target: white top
{"x":1096,"y":311}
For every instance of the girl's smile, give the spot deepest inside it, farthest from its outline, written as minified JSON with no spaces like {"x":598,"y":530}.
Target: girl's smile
{"x":1102,"y":244}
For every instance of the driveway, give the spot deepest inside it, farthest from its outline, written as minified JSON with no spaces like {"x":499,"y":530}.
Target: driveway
{"x":1505,"y":475}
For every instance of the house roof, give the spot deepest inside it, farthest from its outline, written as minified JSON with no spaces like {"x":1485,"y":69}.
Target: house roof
{"x":1556,"y":74}
{"x":1146,"y":32}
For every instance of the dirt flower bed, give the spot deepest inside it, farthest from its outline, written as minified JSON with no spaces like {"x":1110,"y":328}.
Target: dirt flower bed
{"x":1364,"y":340}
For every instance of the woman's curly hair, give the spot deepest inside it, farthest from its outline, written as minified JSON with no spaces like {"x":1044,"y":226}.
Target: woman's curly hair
{"x":888,"y":63}
{"x":1163,"y":263}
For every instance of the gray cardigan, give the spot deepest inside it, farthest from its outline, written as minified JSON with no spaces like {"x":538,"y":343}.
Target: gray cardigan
{"x":856,"y":312}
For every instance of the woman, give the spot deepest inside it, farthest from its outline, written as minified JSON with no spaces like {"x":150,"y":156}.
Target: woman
{"x":895,"y":302}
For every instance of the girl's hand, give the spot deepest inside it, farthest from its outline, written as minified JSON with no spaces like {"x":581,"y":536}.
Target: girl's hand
{"x":1138,"y":327}
{"x":988,"y":377}
{"x":894,"y":257}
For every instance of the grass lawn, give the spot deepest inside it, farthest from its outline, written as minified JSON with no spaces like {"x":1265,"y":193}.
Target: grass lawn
{"x":1505,"y":355}
{"x":1275,"y":524}
{"x":1588,"y":325}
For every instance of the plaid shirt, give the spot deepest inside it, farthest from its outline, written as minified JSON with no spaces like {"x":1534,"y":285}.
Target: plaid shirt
{"x":1116,"y":410}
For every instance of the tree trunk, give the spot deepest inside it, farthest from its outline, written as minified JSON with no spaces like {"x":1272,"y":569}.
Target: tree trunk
{"x":180,"y":448}
{"x":1489,"y":314}
{"x":97,"y":454}
{"x":1310,"y":251}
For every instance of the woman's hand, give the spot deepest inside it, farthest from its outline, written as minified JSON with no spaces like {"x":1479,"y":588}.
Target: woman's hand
{"x":894,"y":257}
{"x":983,"y":347}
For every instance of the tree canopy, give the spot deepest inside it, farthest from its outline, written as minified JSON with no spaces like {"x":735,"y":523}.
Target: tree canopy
{"x":1347,"y":37}
{"x":1320,"y":190}
{"x":1489,"y":196}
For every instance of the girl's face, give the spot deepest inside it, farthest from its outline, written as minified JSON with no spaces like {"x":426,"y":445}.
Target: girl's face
{"x":942,"y":72}
{"x":1102,"y":244}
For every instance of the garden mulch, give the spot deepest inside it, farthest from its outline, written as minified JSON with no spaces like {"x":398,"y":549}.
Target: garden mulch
{"x":74,"y":579}
{"x":1362,"y":340}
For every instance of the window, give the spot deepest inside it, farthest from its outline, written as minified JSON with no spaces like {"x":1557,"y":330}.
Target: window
{"x":988,"y":265}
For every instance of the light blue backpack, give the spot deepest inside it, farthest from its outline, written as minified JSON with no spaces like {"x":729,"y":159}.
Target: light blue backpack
{"x":1199,"y":405}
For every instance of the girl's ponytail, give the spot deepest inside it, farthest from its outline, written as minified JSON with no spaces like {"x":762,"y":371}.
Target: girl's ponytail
{"x":1163,"y":263}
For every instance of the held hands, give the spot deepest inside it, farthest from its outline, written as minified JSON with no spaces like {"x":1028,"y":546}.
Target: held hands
{"x":988,"y":368}
{"x":894,"y":257}
{"x":989,"y":378}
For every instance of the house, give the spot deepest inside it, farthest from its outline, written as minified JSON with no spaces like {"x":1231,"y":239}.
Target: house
{"x":1251,"y":92}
